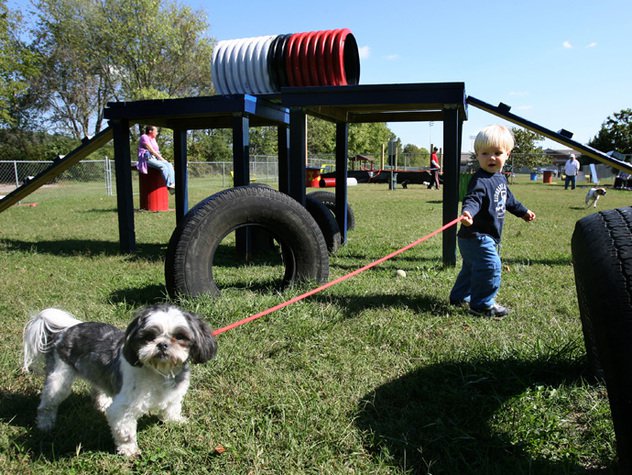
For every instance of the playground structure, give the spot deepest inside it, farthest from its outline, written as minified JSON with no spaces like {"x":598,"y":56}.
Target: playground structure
{"x":343,"y":105}
{"x":277,"y":81}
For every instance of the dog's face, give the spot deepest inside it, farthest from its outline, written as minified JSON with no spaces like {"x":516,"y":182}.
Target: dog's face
{"x":600,"y":191}
{"x":165,"y":337}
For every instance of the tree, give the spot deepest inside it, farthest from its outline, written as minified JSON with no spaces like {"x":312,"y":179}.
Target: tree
{"x":417,"y":157}
{"x":615,"y":133}
{"x":211,"y":145}
{"x":367,"y":138}
{"x":526,"y":154}
{"x":17,"y":70}
{"x":321,"y":136}
{"x":153,"y":48}
{"x":95,"y":51}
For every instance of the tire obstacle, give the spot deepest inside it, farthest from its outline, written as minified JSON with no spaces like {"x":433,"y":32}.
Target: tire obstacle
{"x":329,"y":200}
{"x":602,"y":259}
{"x":193,"y":244}
{"x":303,"y":237}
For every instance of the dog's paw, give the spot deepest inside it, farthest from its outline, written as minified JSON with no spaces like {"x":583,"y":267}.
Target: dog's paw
{"x":174,"y":419}
{"x":102,"y":402}
{"x":45,"y":424}
{"x":128,"y":450}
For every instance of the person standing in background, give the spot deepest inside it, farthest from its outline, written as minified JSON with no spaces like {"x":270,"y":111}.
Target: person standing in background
{"x":435,"y":167}
{"x":571,"y":168}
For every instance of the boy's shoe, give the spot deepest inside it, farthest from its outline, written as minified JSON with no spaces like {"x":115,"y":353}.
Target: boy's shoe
{"x":495,"y":311}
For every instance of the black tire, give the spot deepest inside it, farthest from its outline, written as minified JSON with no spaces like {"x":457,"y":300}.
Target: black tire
{"x":326,"y":222}
{"x":192,"y":247}
{"x":329,"y":200}
{"x":602,"y":258}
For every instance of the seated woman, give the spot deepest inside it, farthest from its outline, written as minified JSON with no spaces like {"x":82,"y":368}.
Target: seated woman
{"x":149,"y":156}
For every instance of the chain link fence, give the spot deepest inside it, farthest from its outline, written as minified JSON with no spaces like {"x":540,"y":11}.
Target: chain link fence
{"x":101,"y":173}
{"x":263,"y":169}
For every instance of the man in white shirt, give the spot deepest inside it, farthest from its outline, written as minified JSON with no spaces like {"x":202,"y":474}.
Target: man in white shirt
{"x":571,"y":168}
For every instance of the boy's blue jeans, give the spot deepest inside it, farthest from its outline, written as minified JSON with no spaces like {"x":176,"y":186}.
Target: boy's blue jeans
{"x":479,"y":279}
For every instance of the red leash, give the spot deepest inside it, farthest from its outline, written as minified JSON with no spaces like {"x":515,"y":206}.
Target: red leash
{"x":336,"y":281}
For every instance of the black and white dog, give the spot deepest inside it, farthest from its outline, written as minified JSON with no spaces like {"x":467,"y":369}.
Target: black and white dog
{"x":142,"y":370}
{"x":593,"y":196}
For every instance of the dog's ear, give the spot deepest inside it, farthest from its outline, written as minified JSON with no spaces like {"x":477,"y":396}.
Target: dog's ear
{"x":133,"y":342}
{"x":204,"y":345}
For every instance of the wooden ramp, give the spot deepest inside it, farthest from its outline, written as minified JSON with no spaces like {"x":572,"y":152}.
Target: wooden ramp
{"x":562,"y":136}
{"x":58,"y":167}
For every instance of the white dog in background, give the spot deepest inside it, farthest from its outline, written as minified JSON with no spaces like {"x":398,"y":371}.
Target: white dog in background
{"x":142,"y":370}
{"x":593,"y":196}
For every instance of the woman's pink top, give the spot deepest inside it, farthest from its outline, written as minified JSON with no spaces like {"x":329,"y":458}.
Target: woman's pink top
{"x":144,"y":153}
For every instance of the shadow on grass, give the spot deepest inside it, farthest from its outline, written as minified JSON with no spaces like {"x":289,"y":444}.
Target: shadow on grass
{"x":85,"y":248}
{"x":437,"y":419}
{"x":355,"y":305}
{"x":435,"y":262}
{"x":140,"y":296}
{"x":79,"y":426}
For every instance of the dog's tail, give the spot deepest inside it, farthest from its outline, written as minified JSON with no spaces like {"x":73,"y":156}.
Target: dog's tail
{"x":40,"y":331}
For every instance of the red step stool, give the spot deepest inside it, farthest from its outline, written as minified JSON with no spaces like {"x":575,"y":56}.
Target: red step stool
{"x":154,"y":195}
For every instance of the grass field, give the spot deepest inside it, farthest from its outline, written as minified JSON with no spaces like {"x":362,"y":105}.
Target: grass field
{"x":376,"y":375}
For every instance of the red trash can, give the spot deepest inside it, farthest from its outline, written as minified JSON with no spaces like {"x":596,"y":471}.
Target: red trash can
{"x":547,"y":177}
{"x":154,"y":195}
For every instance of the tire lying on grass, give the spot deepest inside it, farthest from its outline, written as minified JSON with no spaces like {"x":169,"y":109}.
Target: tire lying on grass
{"x":329,"y":200}
{"x":602,"y":259}
{"x":194,"y":243}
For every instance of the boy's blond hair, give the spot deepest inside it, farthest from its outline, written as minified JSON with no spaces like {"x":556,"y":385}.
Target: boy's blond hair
{"x":494,"y":136}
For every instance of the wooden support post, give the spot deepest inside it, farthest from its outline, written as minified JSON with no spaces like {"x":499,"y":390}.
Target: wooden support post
{"x":182,"y":176}
{"x":452,"y":158}
{"x":342,"y":160}
{"x":296,"y":170}
{"x":124,"y":194}
{"x":241,"y":151}
{"x":241,"y":177}
{"x":283,"y":158}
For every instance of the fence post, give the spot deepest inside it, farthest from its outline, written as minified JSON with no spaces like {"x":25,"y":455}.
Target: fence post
{"x":107,"y":169}
{"x":15,"y":172}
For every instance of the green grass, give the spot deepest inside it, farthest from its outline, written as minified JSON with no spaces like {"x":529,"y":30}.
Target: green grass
{"x":375,"y":375}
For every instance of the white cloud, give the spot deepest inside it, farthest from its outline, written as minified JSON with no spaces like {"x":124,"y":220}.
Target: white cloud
{"x":592,"y":44}
{"x":364,"y":52}
{"x":392,"y":57}
{"x":567,"y":44}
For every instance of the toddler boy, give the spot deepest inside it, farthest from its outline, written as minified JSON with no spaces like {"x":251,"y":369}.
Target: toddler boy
{"x":484,"y":207}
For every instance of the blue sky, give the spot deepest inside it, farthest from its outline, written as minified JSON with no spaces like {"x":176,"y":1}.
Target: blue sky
{"x":558,"y":63}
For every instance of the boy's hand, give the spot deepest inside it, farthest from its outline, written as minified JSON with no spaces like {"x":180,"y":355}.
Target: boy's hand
{"x":529,"y":216}
{"x":466,"y":219}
